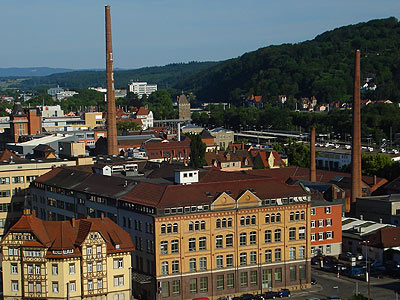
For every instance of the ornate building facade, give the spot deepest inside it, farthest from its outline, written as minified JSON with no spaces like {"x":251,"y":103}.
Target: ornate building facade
{"x":76,"y":259}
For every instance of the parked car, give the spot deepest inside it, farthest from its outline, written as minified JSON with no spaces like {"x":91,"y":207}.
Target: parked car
{"x":247,"y":297}
{"x":346,"y":256}
{"x":270,"y":295}
{"x":284,"y":293}
{"x":359,"y":256}
{"x":316,"y":260}
{"x":313,"y":281}
{"x":258,"y":297}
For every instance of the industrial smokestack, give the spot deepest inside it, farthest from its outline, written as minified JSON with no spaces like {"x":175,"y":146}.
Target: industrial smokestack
{"x":356,"y":146}
{"x":313,"y":168}
{"x":112,"y":148}
{"x":179,"y":132}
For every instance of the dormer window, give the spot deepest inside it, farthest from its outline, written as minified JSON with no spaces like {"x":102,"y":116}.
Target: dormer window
{"x":117,"y":246}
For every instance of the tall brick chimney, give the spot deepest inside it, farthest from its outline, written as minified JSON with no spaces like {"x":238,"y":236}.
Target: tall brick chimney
{"x":112,"y":147}
{"x":356,"y":146}
{"x":313,"y":168}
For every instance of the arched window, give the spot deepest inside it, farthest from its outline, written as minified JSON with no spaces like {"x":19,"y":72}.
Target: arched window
{"x":253,"y":220}
{"x":242,"y":221}
{"x":272,"y":218}
{"x":203,"y":225}
{"x":278,"y":218}
{"x":190,"y":226}
{"x":268,"y":236}
{"x":164,"y":268}
{"x":169,"y":228}
{"x":302,"y":215}
{"x":218,"y":241}
{"x":202,"y":243}
{"x":248,"y":220}
{"x":218,"y":223}
{"x":292,"y":216}
{"x":297,"y":216}
{"x":175,"y":228}
{"x":243,"y":239}
{"x":192,"y":265}
{"x":277,"y":235}
{"x":197,"y":225}
{"x":267,"y":220}
{"x":229,"y":222}
{"x":163,"y":229}
{"x":224,"y":223}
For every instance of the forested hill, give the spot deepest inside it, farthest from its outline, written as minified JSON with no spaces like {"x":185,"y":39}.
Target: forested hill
{"x":322,"y":67}
{"x":165,"y":76}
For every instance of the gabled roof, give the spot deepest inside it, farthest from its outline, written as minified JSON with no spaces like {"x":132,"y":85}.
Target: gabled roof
{"x":43,"y":148}
{"x":66,"y":235}
{"x":7,"y":155}
{"x":143,"y":111}
{"x":18,"y":111}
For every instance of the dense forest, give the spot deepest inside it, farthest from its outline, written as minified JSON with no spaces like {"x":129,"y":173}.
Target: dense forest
{"x":166,"y":77}
{"x":322,"y":67}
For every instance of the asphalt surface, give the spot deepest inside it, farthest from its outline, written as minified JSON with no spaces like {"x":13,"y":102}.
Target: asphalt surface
{"x":329,"y":285}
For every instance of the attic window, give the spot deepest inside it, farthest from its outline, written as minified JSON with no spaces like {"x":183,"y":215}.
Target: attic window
{"x":205,"y":207}
{"x":291,"y":200}
{"x":167,"y":211}
{"x":187,"y":209}
{"x":194,"y":208}
{"x":273,"y":201}
{"x":117,"y":246}
{"x":173,"y":210}
{"x":180,"y":210}
{"x":267,"y":202}
{"x":208,"y":194}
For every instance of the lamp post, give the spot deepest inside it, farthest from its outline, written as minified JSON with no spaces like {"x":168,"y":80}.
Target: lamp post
{"x":367,"y":269}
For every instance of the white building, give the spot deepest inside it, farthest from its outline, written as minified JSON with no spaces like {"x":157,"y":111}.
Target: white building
{"x":54,"y":91}
{"x":146,"y":116}
{"x":51,"y":111}
{"x":141,"y":88}
{"x":65,"y":94}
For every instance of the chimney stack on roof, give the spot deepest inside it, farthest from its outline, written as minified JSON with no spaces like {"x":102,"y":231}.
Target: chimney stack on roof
{"x":356,"y":144}
{"x":112,"y":147}
{"x":313,"y":168}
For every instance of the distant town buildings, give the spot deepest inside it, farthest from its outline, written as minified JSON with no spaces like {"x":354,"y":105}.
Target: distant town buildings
{"x":141,"y":88}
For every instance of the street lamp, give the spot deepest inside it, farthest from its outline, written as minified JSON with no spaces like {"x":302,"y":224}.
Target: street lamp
{"x":367,"y":279}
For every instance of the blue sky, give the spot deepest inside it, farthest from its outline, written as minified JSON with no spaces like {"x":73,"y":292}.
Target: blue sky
{"x":70,"y":34}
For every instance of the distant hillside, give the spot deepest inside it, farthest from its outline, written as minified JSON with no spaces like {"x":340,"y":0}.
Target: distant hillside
{"x":166,"y":77}
{"x":29,"y":72}
{"x":321,"y":67}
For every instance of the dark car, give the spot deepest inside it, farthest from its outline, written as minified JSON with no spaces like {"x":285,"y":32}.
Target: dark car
{"x":284,"y":293}
{"x":313,"y":281}
{"x":258,"y":297}
{"x":247,"y":297}
{"x":271,"y":295}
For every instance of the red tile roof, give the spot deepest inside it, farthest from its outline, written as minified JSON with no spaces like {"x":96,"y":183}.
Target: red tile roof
{"x":143,"y":111}
{"x":66,"y":235}
{"x":7,"y":154}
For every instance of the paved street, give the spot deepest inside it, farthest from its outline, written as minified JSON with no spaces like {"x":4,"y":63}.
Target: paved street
{"x":329,"y":285}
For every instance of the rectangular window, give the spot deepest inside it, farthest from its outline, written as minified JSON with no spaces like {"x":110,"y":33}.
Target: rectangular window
{"x":5,"y":193}
{"x":292,"y":253}
{"x":219,"y":262}
{"x":176,"y":287}
{"x":320,"y":236}
{"x":312,"y":237}
{"x":328,"y":249}
{"x":253,"y":257}
{"x":302,"y":233}
{"x":4,"y":180}
{"x":313,"y":224}
{"x":71,"y":268}
{"x":90,"y":267}
{"x":90,"y":285}
{"x":14,"y":285}
{"x":278,"y":274}
{"x":253,"y":277}
{"x":267,"y":278}
{"x":18,"y":179}
{"x":99,"y":266}
{"x":320,"y":223}
{"x":54,"y":269}
{"x":37,"y":269}
{"x":230,"y":280}
{"x":292,"y":273}
{"x":72,"y":286}
{"x":244,"y":280}
{"x":312,"y":211}
{"x":165,"y":289}
{"x":220,"y":282}
{"x":193,"y":285}
{"x":278,"y":254}
{"x":99,"y":283}
{"x":302,"y":272}
{"x":14,"y":269}
{"x":329,"y":235}
{"x":328,"y":222}
{"x":268,"y":256}
{"x":302,"y":252}
{"x":55,"y":286}
{"x":119,"y":280}
{"x":175,"y":266}
{"x":203,"y":284}
{"x":328,"y":210}
{"x":118,"y":263}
